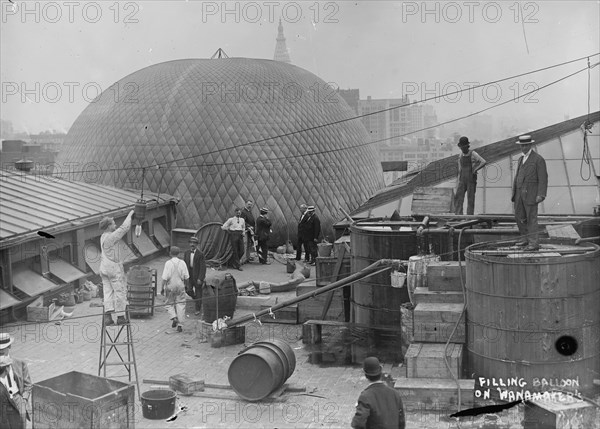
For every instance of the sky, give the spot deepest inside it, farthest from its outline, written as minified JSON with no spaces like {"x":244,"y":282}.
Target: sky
{"x":57,"y":56}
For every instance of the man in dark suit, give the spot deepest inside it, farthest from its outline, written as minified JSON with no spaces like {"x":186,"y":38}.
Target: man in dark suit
{"x":301,"y":233}
{"x":248,"y":217}
{"x":312,"y":233}
{"x":378,"y":406}
{"x":263,"y":233}
{"x":196,"y":265}
{"x":15,"y":388}
{"x":529,"y":189}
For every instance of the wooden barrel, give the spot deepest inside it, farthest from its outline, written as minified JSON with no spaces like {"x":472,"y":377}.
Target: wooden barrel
{"x":533,"y":321}
{"x":220,"y":297}
{"x":261,"y":369}
{"x":374,"y":300}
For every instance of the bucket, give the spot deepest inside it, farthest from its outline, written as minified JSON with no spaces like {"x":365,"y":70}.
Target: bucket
{"x":261,"y":369}
{"x":290,"y":265}
{"x":324,"y":249}
{"x":158,"y":404}
{"x":264,"y":288}
{"x":86,"y":295}
{"x":417,"y":272}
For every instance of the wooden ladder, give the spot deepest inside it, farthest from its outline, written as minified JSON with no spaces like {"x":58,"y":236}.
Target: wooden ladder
{"x":117,"y":337}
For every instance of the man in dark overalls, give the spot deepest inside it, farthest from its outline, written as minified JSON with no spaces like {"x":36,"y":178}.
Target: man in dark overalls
{"x":469,"y":163}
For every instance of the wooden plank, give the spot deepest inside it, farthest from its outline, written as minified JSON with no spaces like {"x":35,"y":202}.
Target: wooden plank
{"x":438,"y":394}
{"x":424,"y":295}
{"x":335,"y":278}
{"x":562,"y":231}
{"x":432,"y":200}
{"x":534,"y":255}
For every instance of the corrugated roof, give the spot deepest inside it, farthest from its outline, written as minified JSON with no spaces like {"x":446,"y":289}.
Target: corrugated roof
{"x":446,"y":168}
{"x":31,"y":202}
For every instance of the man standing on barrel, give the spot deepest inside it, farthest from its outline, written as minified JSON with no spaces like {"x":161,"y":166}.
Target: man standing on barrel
{"x":529,"y":189}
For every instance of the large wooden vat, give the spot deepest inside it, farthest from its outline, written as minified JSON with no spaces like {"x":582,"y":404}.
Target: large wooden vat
{"x":374,"y":300}
{"x":533,"y":321}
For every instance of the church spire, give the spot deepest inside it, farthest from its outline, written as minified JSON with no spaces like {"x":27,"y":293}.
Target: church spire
{"x":281,"y":51}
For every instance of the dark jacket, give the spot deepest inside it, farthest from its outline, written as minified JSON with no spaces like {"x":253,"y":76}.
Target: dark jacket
{"x":10,"y":414}
{"x":198,"y":272}
{"x":263,"y":228}
{"x":248,"y":217}
{"x":312,"y":227}
{"x":531,"y":179}
{"x":379,"y":407}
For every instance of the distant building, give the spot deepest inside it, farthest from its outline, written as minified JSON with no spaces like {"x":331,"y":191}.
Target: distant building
{"x":350,"y":96}
{"x":281,"y":50}
{"x":19,"y":150}
{"x":48,"y":141}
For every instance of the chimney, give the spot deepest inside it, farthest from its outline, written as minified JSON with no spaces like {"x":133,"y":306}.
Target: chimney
{"x":24,"y":165}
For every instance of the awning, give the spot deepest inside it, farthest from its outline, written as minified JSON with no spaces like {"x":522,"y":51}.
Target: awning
{"x":63,"y":270}
{"x":30,"y":282}
{"x":144,"y":244}
{"x":161,"y":234}
{"x":7,"y":300}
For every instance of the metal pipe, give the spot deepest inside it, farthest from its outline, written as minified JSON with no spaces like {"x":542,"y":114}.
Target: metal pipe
{"x":475,"y":231}
{"x":369,"y":271}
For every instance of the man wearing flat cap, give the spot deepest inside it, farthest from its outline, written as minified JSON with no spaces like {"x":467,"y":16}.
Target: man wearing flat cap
{"x":263,"y":233}
{"x":196,"y":265}
{"x":15,"y":388}
{"x":379,"y":406}
{"x":114,"y":283}
{"x":529,"y":189}
{"x":469,"y":163}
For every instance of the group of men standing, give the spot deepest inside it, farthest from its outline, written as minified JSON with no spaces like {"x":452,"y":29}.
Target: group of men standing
{"x":243,"y":225}
{"x":529,"y":188}
{"x":309,"y":230}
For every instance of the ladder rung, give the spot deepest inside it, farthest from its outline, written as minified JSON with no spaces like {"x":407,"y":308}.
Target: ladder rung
{"x":118,"y":363}
{"x":118,"y":344}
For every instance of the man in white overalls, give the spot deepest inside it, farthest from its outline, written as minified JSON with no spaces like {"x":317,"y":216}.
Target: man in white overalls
{"x":114,"y":283}
{"x":175,"y":275}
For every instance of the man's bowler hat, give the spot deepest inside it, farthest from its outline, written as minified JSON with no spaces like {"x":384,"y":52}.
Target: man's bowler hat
{"x":372,"y":367}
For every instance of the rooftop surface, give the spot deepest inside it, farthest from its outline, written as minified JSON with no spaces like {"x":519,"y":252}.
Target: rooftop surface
{"x":55,"y":348}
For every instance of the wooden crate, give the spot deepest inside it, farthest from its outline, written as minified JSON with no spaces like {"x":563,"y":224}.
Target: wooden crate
{"x":36,"y":312}
{"x":224,"y":337}
{"x":185,"y":384}
{"x":180,"y":237}
{"x":426,"y":360}
{"x":435,"y":394}
{"x":312,"y":308}
{"x":547,"y":414}
{"x":432,"y":200}
{"x":433,"y":323}
{"x":287,"y":315}
{"x":325,"y":267}
{"x":67,"y":402}
{"x":445,"y":276}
